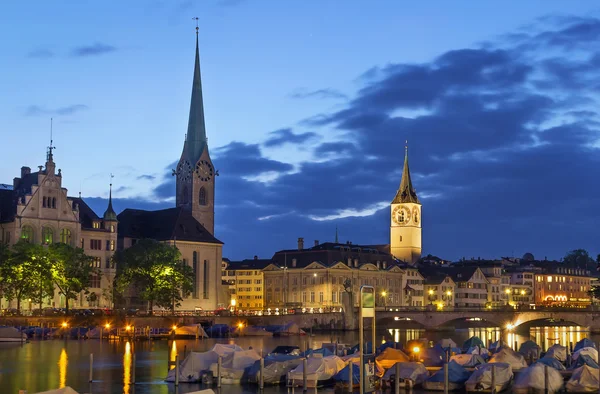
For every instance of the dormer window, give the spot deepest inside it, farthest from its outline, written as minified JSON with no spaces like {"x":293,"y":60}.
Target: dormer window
{"x":96,"y":225}
{"x":112,"y":228}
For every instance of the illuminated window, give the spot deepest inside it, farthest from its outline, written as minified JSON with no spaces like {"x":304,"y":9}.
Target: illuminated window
{"x":549,"y":279}
{"x":27,"y":234}
{"x":65,"y":236}
{"x":47,"y":235}
{"x":96,"y":225}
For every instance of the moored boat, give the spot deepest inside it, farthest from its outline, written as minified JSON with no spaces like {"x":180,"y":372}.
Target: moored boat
{"x":481,"y":379}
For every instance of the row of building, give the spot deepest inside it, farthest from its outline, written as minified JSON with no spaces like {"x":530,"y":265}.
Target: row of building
{"x":315,"y":277}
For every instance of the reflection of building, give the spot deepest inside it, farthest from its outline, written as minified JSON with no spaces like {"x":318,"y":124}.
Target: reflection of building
{"x":314,"y":277}
{"x":190,"y":225}
{"x":405,"y":226}
{"x":559,"y":284}
{"x":36,"y":209}
{"x":246,"y":283}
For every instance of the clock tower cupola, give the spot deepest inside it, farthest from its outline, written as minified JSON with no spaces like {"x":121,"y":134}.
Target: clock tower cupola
{"x":195,"y":185}
{"x":405,"y":223}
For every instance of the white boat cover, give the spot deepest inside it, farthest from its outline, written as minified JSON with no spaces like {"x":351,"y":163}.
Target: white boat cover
{"x":391,"y":356}
{"x":468,"y":360}
{"x":12,"y":333}
{"x":583,"y":380}
{"x":533,"y":377}
{"x":94,"y":333}
{"x":558,"y":352}
{"x":276,"y":369}
{"x":413,"y":371}
{"x":207,"y":391}
{"x":196,"y":362}
{"x":481,"y":379}
{"x":509,"y":356}
{"x":191,"y":330}
{"x":447,"y":342}
{"x":590,"y":351}
{"x":318,"y":368}
{"x":64,"y":390}
{"x":234,"y":364}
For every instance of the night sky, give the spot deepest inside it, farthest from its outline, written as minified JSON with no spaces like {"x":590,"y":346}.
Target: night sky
{"x":308,"y":105}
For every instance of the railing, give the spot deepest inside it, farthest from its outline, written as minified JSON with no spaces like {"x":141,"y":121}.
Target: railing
{"x":433,"y":308}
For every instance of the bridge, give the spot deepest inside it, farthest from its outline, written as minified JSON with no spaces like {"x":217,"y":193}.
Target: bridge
{"x":427,"y":318}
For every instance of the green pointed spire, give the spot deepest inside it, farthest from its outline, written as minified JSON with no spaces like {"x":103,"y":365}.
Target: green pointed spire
{"x":196,"y":134}
{"x":406,"y":192}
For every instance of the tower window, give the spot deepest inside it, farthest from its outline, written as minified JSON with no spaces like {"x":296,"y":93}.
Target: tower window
{"x":202,"y":196}
{"x":401,"y":238}
{"x":416,"y":217}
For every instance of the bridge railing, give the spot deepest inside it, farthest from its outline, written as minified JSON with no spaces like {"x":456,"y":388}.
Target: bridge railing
{"x":393,"y":309}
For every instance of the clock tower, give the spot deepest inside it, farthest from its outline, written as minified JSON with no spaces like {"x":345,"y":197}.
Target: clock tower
{"x":405,"y":226}
{"x":195,"y":172}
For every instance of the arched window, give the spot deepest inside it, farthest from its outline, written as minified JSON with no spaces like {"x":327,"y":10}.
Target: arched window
{"x":47,"y":235}
{"x":44,"y":202}
{"x":184,"y":197}
{"x":65,"y":236}
{"x":53,"y":202}
{"x":416,"y":217}
{"x":202,"y":196}
{"x":27,"y":234}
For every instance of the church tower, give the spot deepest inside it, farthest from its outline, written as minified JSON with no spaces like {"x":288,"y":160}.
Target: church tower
{"x":195,"y":172}
{"x":405,"y":226}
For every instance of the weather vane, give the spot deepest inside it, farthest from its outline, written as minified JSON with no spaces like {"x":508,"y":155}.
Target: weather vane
{"x":196,"y":19}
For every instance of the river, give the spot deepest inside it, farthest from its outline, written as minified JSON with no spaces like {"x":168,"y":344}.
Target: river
{"x":46,"y":364}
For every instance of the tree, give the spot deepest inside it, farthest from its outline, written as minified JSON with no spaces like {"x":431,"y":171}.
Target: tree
{"x":71,"y":270}
{"x":26,"y":272}
{"x":594,"y":292}
{"x":155,"y":270}
{"x":581,"y":259}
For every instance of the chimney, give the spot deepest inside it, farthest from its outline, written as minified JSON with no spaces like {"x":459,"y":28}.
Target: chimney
{"x":355,"y":262}
{"x":300,"y":243}
{"x":316,"y":242}
{"x":349,"y":262}
{"x":293,"y":262}
{"x":378,"y":265}
{"x":384,"y":264}
{"x":255,"y":257}
{"x":25,"y":171}
{"x":16,"y":182}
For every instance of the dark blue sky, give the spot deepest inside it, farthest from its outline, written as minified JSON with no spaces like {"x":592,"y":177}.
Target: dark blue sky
{"x":308,"y":105}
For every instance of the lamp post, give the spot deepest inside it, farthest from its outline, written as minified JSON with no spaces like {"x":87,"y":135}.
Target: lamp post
{"x":430,"y":296}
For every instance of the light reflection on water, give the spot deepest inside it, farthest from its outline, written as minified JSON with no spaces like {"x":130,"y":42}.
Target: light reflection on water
{"x":113,"y":360}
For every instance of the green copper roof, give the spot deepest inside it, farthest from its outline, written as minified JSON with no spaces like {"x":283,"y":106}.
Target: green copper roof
{"x":110,"y":214}
{"x":196,"y":134}
{"x":406,"y":192}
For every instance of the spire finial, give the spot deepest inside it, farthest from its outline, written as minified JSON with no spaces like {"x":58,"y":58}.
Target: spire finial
{"x":110,"y":212}
{"x":197,"y":28}
{"x":51,"y":147}
{"x":406,"y":148}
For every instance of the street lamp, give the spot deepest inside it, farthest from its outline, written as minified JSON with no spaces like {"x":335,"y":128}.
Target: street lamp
{"x":430,"y":296}
{"x":233,"y":304}
{"x":383,"y":294}
{"x":507,"y":291}
{"x":449,"y":294}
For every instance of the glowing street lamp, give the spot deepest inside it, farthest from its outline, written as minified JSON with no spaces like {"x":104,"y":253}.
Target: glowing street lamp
{"x":449,"y":295}
{"x":430,"y":296}
{"x":65,"y":324}
{"x":507,"y":291}
{"x":233,"y":302}
{"x":107,"y":326}
{"x":383,"y":295}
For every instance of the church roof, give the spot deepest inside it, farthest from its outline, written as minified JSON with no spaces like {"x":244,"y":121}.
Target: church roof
{"x":175,"y":224}
{"x":196,"y":133}
{"x":249,"y":264}
{"x":86,"y":214}
{"x":406,"y":192}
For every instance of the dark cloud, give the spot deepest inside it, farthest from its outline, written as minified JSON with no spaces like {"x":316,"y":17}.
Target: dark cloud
{"x":320,"y":94}
{"x":41,"y":53}
{"x":286,"y":136}
{"x":36,"y":110}
{"x":146,"y":177}
{"x":503,"y":144}
{"x":92,"y":50}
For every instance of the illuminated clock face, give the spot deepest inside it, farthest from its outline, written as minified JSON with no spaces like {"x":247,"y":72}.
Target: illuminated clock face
{"x":184,"y":170}
{"x":204,"y":170}
{"x":401,"y":215}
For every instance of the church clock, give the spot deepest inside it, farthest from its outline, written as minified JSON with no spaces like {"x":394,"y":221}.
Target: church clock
{"x":204,"y":170}
{"x":184,"y":170}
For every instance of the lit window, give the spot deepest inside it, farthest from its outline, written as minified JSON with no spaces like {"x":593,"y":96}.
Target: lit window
{"x":549,"y":279}
{"x":47,"y":235}
{"x":65,"y":236}
{"x":27,"y":234}
{"x":96,"y":225}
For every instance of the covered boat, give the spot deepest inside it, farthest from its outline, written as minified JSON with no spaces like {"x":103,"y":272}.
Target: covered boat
{"x":395,"y":345}
{"x":481,"y":379}
{"x":457,"y":376}
{"x":434,"y":356}
{"x":585,"y":342}
{"x":472,"y":342}
{"x":558,"y":352}
{"x":234,"y":365}
{"x":195,"y":363}
{"x":415,"y":372}
{"x":468,"y":360}
{"x":218,"y":330}
{"x":532,"y":380}
{"x":191,"y":331}
{"x":584,"y":359}
{"x":447,"y":343}
{"x":391,"y":356}
{"x":11,"y":334}
{"x":529,"y":350}
{"x":321,"y":352}
{"x":344,"y":374}
{"x":583,"y":380}
{"x":496,"y":346}
{"x":551,"y":362}
{"x":318,"y":371}
{"x":508,"y":356}
{"x":481,"y":351}
{"x":287,"y":349}
{"x":285,"y":330}
{"x":276,"y":368}
{"x":64,"y":390}
{"x":587,"y":351}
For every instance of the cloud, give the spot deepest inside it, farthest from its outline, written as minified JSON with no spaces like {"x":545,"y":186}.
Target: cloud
{"x":146,"y":177}
{"x":286,"y":136}
{"x":92,"y":50}
{"x":36,"y":110}
{"x":41,"y":53}
{"x":320,"y":94}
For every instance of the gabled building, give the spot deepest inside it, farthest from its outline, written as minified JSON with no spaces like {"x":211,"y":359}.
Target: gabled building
{"x":37,"y":209}
{"x":471,"y":286}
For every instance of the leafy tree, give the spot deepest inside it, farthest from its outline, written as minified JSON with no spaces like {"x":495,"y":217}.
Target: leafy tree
{"x":581,"y":259}
{"x":71,"y":270}
{"x":26,"y":272}
{"x":594,"y":292}
{"x":155,"y":271}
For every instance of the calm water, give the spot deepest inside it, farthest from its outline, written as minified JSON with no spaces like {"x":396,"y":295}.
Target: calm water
{"x":47,"y":364}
